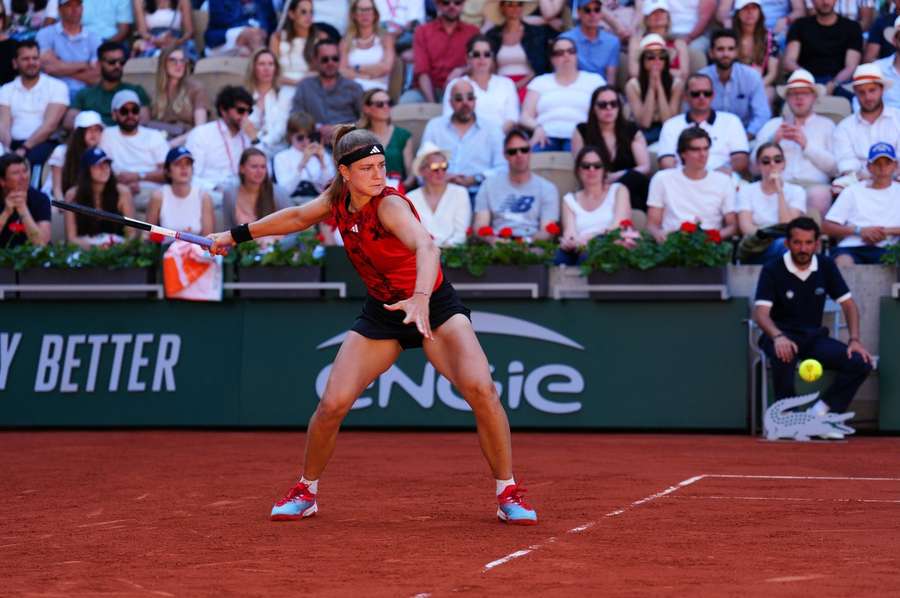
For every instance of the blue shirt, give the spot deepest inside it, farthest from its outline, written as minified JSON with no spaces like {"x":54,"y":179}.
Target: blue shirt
{"x":79,"y":48}
{"x":479,"y":151}
{"x":100,"y":17}
{"x":743,"y":95}
{"x":595,"y":55}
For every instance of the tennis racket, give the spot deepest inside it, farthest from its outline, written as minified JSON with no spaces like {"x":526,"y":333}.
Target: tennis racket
{"x":151,"y":228}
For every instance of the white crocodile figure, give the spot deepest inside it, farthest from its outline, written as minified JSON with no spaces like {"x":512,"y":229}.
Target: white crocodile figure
{"x":779,"y":422}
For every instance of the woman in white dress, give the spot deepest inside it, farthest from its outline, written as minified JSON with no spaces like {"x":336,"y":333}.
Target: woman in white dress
{"x":444,"y":208}
{"x":294,"y":43}
{"x":271,"y":102}
{"x":178,"y":204}
{"x":367,"y":51}
{"x":558,"y":101}
{"x":496,"y":97}
{"x":598,"y":207}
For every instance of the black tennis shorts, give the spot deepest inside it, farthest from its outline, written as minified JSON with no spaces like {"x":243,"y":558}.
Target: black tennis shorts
{"x":378,"y":323}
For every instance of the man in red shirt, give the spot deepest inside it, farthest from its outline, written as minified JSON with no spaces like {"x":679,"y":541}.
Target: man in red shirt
{"x":439,"y":48}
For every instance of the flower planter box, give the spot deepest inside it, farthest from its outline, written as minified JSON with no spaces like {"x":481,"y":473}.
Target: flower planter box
{"x":535,"y":276}
{"x":87,"y":276}
{"x":278,"y":274}
{"x":7,"y":277}
{"x":668,"y":284}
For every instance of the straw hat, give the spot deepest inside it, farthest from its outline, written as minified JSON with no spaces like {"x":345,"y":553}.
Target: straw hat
{"x":889,"y":32}
{"x":493,"y":13}
{"x":869,"y":73}
{"x":652,"y":41}
{"x":800,"y":79}
{"x":428,"y":148}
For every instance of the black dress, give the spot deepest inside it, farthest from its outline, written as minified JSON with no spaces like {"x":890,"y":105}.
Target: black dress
{"x":636,"y":182}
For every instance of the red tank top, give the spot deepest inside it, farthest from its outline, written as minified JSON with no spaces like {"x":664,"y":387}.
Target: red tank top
{"x":387,"y":266}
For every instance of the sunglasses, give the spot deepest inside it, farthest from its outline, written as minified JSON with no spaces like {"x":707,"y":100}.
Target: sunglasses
{"x":591,"y":166}
{"x":612,"y":105}
{"x":512,"y":151}
{"x":654,"y":56}
{"x":176,"y":60}
{"x":509,"y":4}
{"x":125,"y":111}
{"x":558,"y":53}
{"x":767,"y":161}
{"x":327,"y":59}
{"x":300,"y":137}
{"x":453,"y":2}
{"x":704,"y":93}
{"x":589,"y":10}
{"x":243,"y":110}
{"x":477,"y":54}
{"x":435,"y":166}
{"x":381,"y":103}
{"x":365,"y":9}
{"x":459,"y":97}
{"x":115,"y":62}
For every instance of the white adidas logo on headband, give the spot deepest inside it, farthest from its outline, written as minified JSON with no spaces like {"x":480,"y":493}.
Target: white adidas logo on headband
{"x":375,"y":150}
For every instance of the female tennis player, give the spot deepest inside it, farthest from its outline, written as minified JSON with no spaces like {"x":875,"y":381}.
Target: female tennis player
{"x":409,"y":304}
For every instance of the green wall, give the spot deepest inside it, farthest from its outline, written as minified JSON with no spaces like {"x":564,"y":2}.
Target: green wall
{"x":578,"y":364}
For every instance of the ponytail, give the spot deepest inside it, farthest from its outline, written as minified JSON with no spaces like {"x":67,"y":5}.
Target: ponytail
{"x":346,"y":139}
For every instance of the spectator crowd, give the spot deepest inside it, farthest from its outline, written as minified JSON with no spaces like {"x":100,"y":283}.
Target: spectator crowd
{"x":735,"y":115}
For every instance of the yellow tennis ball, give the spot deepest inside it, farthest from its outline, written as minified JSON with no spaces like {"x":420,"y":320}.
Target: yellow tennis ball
{"x":810,"y":370}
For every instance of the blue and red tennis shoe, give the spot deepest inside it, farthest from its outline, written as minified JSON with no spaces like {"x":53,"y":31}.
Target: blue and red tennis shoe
{"x":298,"y":503}
{"x":512,"y":508}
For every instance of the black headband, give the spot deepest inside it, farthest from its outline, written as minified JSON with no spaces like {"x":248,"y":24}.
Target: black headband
{"x":363,"y":152}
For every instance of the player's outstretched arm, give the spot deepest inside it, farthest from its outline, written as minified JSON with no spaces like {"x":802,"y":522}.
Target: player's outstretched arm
{"x":282,"y":222}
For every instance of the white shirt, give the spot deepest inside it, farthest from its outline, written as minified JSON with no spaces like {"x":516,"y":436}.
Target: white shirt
{"x":143,"y":152}
{"x":815,"y":163}
{"x":596,"y":221}
{"x":683,"y":15}
{"x":182,"y":213}
{"x":217,"y":153}
{"x":860,"y":205}
{"x":271,"y":121}
{"x":704,"y":202}
{"x":561,"y":107}
{"x":764,"y":208}
{"x":27,"y":106}
{"x":288,"y":174}
{"x":854,"y":136}
{"x":449,"y":222}
{"x":725,"y":130}
{"x":498,"y":103}
{"x":400,"y":12}
{"x":891,"y":96}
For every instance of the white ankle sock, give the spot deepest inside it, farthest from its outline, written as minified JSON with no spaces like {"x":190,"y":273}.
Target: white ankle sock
{"x":502,"y":485}
{"x":313,"y":485}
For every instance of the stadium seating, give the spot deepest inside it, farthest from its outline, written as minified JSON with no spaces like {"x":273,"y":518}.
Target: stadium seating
{"x":217,"y":72}
{"x":556,"y":167}
{"x":142,"y":71}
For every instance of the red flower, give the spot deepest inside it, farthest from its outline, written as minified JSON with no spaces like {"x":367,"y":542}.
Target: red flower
{"x":16,"y":227}
{"x":553,"y":229}
{"x":626,"y":224}
{"x":688,"y":227}
{"x":469,"y":232}
{"x":713,"y":236}
{"x":506,"y":232}
{"x":485,"y":231}
{"x":320,"y":237}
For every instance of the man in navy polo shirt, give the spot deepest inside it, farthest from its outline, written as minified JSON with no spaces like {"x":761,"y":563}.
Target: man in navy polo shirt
{"x":790,"y":300}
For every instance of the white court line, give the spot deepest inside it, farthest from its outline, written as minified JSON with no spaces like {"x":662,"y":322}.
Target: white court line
{"x":590,"y":524}
{"x":671,"y":489}
{"x":786,"y":499}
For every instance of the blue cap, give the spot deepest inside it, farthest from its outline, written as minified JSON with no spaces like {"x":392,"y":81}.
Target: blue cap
{"x":177,"y":153}
{"x":94,"y":156}
{"x":580,"y":3}
{"x":882,"y":150}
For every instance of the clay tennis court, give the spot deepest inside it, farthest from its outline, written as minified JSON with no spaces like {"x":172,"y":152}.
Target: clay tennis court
{"x":177,"y":513}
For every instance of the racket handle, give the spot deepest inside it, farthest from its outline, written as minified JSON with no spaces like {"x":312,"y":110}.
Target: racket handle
{"x":196,"y":239}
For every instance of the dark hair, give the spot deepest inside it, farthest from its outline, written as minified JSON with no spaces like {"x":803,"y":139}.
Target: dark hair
{"x":589,"y":149}
{"x":690,"y":134}
{"x":20,"y":7}
{"x":300,"y":122}
{"x":265,"y":201}
{"x":84,"y":195}
{"x":364,"y":121}
{"x":327,"y":41}
{"x":693,"y":76}
{"x":644,"y":76}
{"x":346,"y":139}
{"x":27,"y":43}
{"x":150,"y":6}
{"x":623,"y":135}
{"x":107,"y":47}
{"x":230,"y":96}
{"x":719,"y":34}
{"x":759,"y":53}
{"x":516,"y":132}
{"x":72,"y":163}
{"x":768,"y":145}
{"x":311,"y":36}
{"x":803,"y":223}
{"x":8,"y":160}
{"x":470,"y":45}
{"x":551,"y":44}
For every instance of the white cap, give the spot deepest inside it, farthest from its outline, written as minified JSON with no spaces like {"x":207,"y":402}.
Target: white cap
{"x":125,"y":96}
{"x":87,"y":118}
{"x":654,"y":5}
{"x":653,"y":41}
{"x":739,"y":4}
